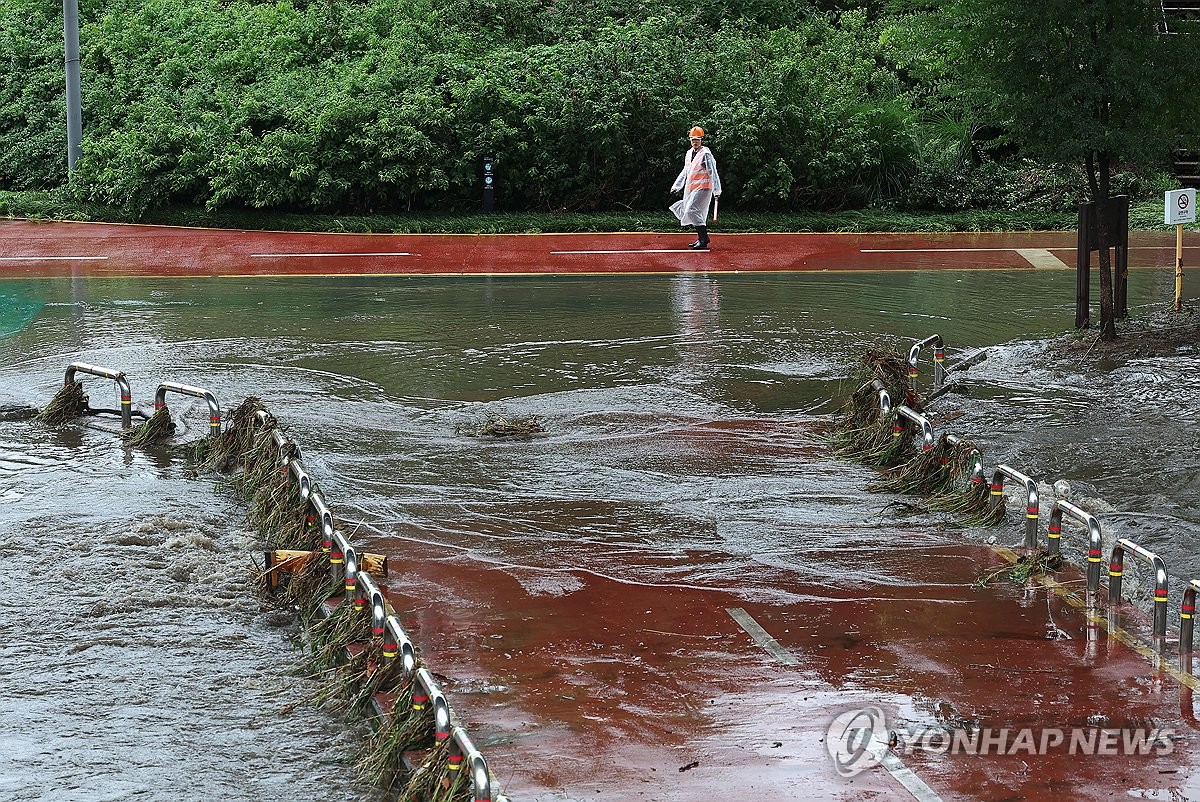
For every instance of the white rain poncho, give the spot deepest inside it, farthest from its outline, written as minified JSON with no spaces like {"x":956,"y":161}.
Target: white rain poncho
{"x":699,"y":182}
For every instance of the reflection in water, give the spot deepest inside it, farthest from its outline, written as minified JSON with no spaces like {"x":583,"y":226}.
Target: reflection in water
{"x":680,"y":452}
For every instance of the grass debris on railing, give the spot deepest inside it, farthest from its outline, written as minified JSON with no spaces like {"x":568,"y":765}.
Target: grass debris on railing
{"x":236,"y":445}
{"x":433,"y":781}
{"x":404,"y":729}
{"x":157,"y":428}
{"x":68,"y":404}
{"x":863,"y":432}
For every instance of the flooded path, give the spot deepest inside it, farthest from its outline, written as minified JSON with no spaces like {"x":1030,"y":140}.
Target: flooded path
{"x":589,"y":595}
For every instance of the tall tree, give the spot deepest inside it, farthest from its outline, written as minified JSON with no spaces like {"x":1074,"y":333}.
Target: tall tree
{"x":1088,"y":82}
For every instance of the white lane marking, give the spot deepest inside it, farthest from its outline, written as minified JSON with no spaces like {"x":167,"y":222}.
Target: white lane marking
{"x":938,"y":250}
{"x":284,"y":255}
{"x":642,"y":250}
{"x":1041,"y":257}
{"x":901,"y":773}
{"x":52,"y":258}
{"x":1018,"y":250}
{"x":760,"y":636}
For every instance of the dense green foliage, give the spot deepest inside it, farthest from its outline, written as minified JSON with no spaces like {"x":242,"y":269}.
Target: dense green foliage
{"x":387,"y":106}
{"x":1090,"y":82}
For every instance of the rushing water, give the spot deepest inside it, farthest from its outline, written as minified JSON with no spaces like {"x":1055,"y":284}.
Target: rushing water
{"x":138,"y":665}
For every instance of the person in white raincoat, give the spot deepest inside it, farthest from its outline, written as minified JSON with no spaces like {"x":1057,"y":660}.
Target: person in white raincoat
{"x":700,"y":184}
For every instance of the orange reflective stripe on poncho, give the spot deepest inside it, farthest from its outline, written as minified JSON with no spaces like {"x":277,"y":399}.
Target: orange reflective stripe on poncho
{"x":699,"y":176}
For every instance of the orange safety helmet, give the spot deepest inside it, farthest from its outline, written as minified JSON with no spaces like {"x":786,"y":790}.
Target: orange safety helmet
{"x":696,"y":133}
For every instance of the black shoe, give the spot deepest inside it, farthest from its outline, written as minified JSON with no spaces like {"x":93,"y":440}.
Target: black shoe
{"x":698,"y":246}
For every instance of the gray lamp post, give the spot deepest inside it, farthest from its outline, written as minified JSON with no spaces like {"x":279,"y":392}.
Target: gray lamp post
{"x":74,"y":112}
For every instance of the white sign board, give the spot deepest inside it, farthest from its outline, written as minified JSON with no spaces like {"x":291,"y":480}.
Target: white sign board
{"x":1180,"y":207}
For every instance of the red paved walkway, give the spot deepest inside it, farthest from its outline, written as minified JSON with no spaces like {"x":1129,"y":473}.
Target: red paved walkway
{"x":34,"y":249}
{"x":621,"y":691}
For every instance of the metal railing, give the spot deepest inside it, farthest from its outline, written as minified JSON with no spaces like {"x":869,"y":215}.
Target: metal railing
{"x":126,"y":410}
{"x":913,"y":416}
{"x":1187,"y":613}
{"x":214,"y":409}
{"x":1095,"y":542}
{"x":1116,"y":569}
{"x":975,"y":455}
{"x":1032,"y":504}
{"x":885,"y":398}
{"x":939,"y":361}
{"x":351,"y":570}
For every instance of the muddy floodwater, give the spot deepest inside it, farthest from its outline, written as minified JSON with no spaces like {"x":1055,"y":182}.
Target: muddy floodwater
{"x":685,"y":420}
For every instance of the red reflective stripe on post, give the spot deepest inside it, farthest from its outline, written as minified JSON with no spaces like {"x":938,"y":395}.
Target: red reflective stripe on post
{"x":1188,"y":608}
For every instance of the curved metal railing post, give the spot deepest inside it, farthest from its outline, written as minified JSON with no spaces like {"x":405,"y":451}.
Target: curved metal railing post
{"x":462,"y":749}
{"x":347,"y":559}
{"x":912,"y":415}
{"x":316,"y":500}
{"x":1032,"y":503}
{"x":441,"y":708}
{"x":1187,"y":622}
{"x":939,"y":361}
{"x":296,"y":467}
{"x":885,"y":398}
{"x":214,"y":409}
{"x":1095,"y":541}
{"x":397,"y":643}
{"x":371,"y":595}
{"x":1116,"y":568}
{"x":105,"y":373}
{"x":976,"y":457}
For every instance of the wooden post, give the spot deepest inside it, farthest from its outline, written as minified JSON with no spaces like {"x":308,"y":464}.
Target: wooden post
{"x":1179,"y":267}
{"x":1119,"y":226}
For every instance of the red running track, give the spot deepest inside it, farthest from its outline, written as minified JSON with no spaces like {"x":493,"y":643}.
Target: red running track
{"x":30,"y":249}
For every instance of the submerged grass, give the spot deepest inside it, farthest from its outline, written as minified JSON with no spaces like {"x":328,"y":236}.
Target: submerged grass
{"x":865,"y":433}
{"x":68,"y":404}
{"x":381,"y":760}
{"x":495,"y":425}
{"x":157,"y":429}
{"x":434,"y":781}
